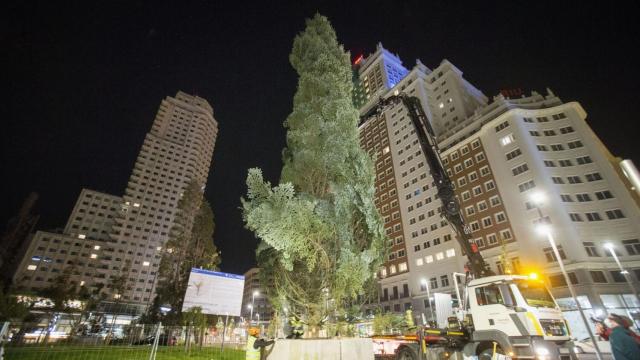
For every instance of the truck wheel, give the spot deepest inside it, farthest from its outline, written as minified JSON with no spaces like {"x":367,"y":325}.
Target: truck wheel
{"x":406,"y":354}
{"x":487,"y":353}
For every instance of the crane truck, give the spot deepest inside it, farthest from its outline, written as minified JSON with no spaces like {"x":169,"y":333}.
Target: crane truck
{"x":500,"y":316}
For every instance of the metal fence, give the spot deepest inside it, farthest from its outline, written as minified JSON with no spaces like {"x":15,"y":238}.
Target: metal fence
{"x":132,"y":342}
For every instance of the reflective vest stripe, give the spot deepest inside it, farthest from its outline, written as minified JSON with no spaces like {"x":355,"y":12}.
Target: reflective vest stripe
{"x":251,"y":353}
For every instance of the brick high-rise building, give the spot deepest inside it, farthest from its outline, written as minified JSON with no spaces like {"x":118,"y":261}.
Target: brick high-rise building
{"x":497,"y":153}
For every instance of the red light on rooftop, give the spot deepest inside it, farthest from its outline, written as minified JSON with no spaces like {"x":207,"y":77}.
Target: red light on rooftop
{"x":358,"y":60}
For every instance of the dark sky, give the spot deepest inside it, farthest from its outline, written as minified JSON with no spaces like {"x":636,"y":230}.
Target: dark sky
{"x":82,"y":81}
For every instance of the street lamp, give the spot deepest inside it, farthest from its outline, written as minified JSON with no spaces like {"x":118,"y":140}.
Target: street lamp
{"x":250,"y":306}
{"x":624,"y":272}
{"x":426,"y":284}
{"x":543,"y":227}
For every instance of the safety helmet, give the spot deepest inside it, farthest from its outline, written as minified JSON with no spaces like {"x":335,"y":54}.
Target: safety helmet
{"x":254,"y":331}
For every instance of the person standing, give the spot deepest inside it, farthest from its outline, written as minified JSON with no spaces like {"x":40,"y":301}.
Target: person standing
{"x":255,"y":344}
{"x":623,"y":344}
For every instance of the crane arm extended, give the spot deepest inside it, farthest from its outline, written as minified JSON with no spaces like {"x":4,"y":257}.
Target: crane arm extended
{"x":450,"y":206}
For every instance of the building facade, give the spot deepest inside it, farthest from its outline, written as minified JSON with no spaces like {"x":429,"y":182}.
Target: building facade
{"x":255,"y":296}
{"x":497,"y":154}
{"x":125,"y":235}
{"x":83,"y":246}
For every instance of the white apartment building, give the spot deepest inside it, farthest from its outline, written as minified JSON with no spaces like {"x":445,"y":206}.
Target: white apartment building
{"x":255,"y":297}
{"x":497,"y":154}
{"x":176,"y":150}
{"x":128,"y":233}
{"x":83,"y":245}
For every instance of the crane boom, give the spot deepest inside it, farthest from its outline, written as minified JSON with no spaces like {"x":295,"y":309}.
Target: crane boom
{"x":450,"y":206}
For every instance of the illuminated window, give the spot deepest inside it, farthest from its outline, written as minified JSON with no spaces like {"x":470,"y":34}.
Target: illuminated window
{"x":97,"y":247}
{"x":451,"y":252}
{"x":145,"y":263}
{"x":31,"y":267}
{"x":385,"y":150}
{"x":82,"y":236}
{"x":429,"y":259}
{"x":506,"y":140}
{"x":440,"y":256}
{"x":392,"y":269}
{"x":419,"y":262}
{"x":82,"y":283}
{"x":402,"y":266}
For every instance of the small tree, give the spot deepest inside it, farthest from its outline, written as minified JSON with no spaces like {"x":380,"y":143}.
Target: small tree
{"x":190,"y":246}
{"x":60,"y":292}
{"x":11,"y":309}
{"x":321,"y":233}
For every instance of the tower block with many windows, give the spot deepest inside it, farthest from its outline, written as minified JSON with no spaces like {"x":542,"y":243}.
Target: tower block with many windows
{"x":177,"y":150}
{"x":497,"y":152}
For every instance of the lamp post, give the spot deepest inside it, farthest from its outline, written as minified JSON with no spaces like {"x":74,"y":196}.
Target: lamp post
{"x":426,"y":284}
{"x":624,"y":272}
{"x":544,"y":228}
{"x":253,"y":298}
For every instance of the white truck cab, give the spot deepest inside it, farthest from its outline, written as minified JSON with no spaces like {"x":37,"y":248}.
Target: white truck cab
{"x":518,"y":313}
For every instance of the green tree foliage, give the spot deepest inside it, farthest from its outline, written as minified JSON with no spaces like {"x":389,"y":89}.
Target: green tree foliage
{"x":319,"y":227}
{"x":11,"y":309}
{"x":190,"y":246}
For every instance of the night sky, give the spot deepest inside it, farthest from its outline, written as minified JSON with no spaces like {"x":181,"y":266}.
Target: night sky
{"x":82,"y":81}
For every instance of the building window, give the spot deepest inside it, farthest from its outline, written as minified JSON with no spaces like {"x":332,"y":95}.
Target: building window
{"x":591,"y":249}
{"x":557,"y":147}
{"x":565,"y":163}
{"x":598,"y":276}
{"x":433,"y":283}
{"x":566,"y":130}
{"x":520,"y":169}
{"x":484,"y":171}
{"x":542,"y":147}
{"x":575,"y":144}
{"x":593,"y":216}
{"x":526,"y":186}
{"x":495,"y":200}
{"x":534,"y":133}
{"x":506,"y":140}
{"x":549,"y":163}
{"x":615,"y":214}
{"x":574,"y":179}
{"x":584,"y":160}
{"x":605,"y":194}
{"x":575,"y":217}
{"x":502,"y":126}
{"x":557,"y":180}
{"x":584,"y":197}
{"x":558,"y":280}
{"x":632,"y":246}
{"x":513,"y":154}
{"x":566,"y":198}
{"x":451,"y":252}
{"x":593,"y":177}
{"x":444,"y":280}
{"x":551,"y":257}
{"x":617,"y":276}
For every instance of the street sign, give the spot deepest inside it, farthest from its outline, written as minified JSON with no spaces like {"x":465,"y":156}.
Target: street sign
{"x":217,"y":293}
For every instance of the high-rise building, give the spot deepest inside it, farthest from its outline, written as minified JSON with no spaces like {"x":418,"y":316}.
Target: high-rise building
{"x":83,"y":246}
{"x":255,"y":297}
{"x":107,"y":236}
{"x":498,"y":153}
{"x":178,"y":149}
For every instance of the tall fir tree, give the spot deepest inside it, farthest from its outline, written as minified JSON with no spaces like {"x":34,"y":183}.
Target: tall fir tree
{"x":190,"y":246}
{"x":321,"y":236}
